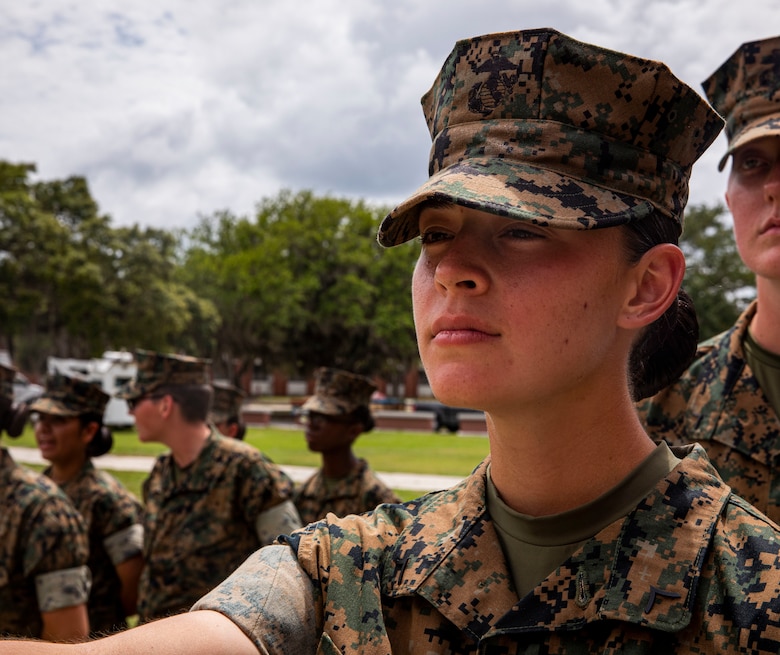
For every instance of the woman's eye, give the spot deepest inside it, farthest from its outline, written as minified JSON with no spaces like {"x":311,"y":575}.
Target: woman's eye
{"x":521,"y":232}
{"x":432,"y":235}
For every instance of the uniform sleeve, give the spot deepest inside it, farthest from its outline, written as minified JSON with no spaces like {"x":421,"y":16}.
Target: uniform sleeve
{"x":56,"y":554}
{"x":264,"y":485}
{"x":271,"y":599}
{"x":120,"y":521}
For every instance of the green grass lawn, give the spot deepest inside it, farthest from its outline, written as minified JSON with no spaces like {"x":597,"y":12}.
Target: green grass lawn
{"x":390,"y":451}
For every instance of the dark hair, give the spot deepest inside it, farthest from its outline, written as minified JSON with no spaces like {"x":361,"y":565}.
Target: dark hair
{"x":241,"y":432}
{"x":362,"y":414}
{"x":194,"y":400}
{"x":667,"y":346}
{"x":103,"y":440}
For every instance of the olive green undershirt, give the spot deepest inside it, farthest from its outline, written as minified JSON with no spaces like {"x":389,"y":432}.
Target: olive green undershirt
{"x":536,"y":546}
{"x":766,"y":367}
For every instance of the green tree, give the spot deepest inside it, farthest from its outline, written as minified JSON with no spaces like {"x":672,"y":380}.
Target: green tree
{"x":73,"y":286}
{"x":716,"y":278}
{"x":304,"y":284}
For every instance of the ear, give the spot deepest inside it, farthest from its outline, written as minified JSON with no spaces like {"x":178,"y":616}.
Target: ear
{"x":88,"y":432}
{"x":656,"y":279}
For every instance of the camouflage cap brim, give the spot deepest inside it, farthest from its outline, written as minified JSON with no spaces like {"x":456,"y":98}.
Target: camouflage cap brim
{"x":324,"y":406}
{"x":517,"y":191}
{"x":758,"y":129}
{"x":53,"y":407}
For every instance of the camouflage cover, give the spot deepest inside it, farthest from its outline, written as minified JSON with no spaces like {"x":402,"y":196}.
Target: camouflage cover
{"x":718,"y":402}
{"x":70,"y":396}
{"x":692,"y":569}
{"x":226,"y":403}
{"x":40,"y":533}
{"x":361,"y":491}
{"x":155,"y":370}
{"x":539,"y":127}
{"x":746,"y":91}
{"x":199,"y":523}
{"x":108,"y":509}
{"x":338,"y":392}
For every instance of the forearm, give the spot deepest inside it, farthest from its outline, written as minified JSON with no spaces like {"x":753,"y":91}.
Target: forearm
{"x":195,"y":633}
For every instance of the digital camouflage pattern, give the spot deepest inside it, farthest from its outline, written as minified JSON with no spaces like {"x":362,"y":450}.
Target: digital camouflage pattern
{"x":718,"y":402}
{"x":226,"y":403}
{"x":539,"y":127}
{"x":746,"y":91}
{"x":70,"y":396}
{"x":338,"y":392}
{"x":40,"y":533}
{"x":361,"y":491}
{"x":154,"y":370}
{"x":113,"y":518}
{"x":692,"y":569}
{"x":200,"y":523}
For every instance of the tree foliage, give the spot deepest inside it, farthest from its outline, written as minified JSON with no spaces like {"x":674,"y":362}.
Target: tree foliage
{"x":716,"y":278}
{"x":73,"y":286}
{"x":304,"y":284}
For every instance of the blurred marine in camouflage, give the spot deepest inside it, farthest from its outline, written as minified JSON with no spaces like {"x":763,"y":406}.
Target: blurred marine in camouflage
{"x":334,"y":417}
{"x":211,"y":501}
{"x":70,"y":432}
{"x":226,"y":410}
{"x":44,"y":579}
{"x":729,"y":399}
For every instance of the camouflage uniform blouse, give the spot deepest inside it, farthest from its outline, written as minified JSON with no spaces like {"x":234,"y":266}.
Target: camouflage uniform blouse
{"x":719,"y":403}
{"x":113,"y":518}
{"x":692,"y":569}
{"x":361,"y":491}
{"x":43,"y":544}
{"x":201,"y":523}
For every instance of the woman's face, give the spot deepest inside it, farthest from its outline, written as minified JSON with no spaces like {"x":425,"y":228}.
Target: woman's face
{"x":61,"y":439}
{"x":753,"y":196}
{"x":508,"y":313}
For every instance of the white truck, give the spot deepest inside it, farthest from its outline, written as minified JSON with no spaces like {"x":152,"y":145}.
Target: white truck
{"x":111,"y":371}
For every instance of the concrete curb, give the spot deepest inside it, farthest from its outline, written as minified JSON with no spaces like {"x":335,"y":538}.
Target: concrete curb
{"x":409,"y":481}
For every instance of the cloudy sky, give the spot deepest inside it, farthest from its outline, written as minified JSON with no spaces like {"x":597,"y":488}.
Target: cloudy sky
{"x":178,"y":108}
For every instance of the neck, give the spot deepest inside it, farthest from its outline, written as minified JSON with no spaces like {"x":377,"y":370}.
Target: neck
{"x":545,"y":463}
{"x":763,"y":327}
{"x":62,"y":472}
{"x":187,"y":441}
{"x":338,"y":463}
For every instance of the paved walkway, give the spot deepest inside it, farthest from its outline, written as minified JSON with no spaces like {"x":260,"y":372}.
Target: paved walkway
{"x":408,"y":481}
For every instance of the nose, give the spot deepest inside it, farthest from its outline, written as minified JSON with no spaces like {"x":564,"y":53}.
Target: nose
{"x":460,"y":269}
{"x":772,"y":184}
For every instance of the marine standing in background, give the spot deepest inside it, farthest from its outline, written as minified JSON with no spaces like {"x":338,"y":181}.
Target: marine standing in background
{"x":44,"y":579}
{"x":226,"y":410}
{"x":211,"y":501}
{"x":70,"y":432}
{"x":729,"y":399}
{"x":334,"y":417}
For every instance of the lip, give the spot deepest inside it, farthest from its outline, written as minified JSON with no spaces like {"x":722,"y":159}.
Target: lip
{"x":772,"y":225}
{"x":461,"y":330}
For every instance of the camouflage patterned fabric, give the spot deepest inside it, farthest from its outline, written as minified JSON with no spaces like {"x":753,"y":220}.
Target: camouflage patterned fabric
{"x":70,"y":396}
{"x":746,"y":90}
{"x":155,"y":370}
{"x":40,"y":533}
{"x":226,"y":403}
{"x":539,"y":127}
{"x":361,"y":491}
{"x":113,"y":518}
{"x":338,"y":392}
{"x":693,"y":569}
{"x":199,"y":523}
{"x":718,"y":403}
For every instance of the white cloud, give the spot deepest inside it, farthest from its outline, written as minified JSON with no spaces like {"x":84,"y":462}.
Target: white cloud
{"x":175,"y":108}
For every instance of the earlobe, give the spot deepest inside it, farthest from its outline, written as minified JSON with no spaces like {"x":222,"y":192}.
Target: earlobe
{"x":658,"y":276}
